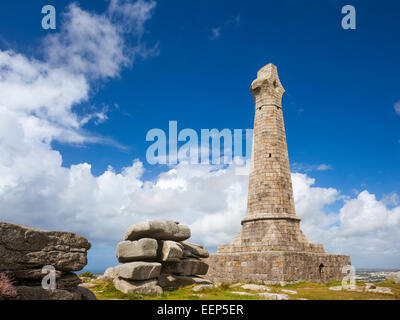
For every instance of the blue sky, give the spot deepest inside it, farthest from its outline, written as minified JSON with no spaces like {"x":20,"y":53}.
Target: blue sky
{"x":341,"y":87}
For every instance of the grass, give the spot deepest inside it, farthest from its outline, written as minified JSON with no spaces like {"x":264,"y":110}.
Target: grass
{"x":88,"y":274}
{"x":305,"y":290}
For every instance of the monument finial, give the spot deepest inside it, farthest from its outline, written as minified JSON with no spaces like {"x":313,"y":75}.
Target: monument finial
{"x":267,"y":88}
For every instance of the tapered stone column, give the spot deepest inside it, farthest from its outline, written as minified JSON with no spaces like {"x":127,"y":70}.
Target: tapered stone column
{"x":270,"y":222}
{"x":270,"y":185}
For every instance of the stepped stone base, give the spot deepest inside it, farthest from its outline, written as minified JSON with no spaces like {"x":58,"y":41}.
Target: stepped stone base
{"x":281,"y":233}
{"x":271,"y":267}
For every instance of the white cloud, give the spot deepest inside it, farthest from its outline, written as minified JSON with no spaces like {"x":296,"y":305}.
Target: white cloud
{"x":397,"y":107}
{"x":36,"y":108}
{"x":324,"y":167}
{"x":310,"y":203}
{"x":212,"y":202}
{"x":305,"y":167}
{"x":217,"y":31}
{"x":87,"y":44}
{"x":40,"y":94}
{"x":131,"y":16}
{"x":365,"y":214}
{"x":391,"y":199}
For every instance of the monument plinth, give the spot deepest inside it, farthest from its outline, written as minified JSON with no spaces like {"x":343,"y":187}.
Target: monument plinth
{"x":271,"y":246}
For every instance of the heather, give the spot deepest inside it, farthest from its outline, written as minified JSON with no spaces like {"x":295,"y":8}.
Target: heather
{"x":7,"y":290}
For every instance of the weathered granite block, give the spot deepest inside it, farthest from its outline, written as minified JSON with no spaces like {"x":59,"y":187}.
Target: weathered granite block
{"x":185,"y":267}
{"x":29,"y":248}
{"x":138,"y":270}
{"x":194,"y":250}
{"x":173,"y":282}
{"x":158,"y":229}
{"x":143,"y":249}
{"x":149,"y":287}
{"x":170,"y":251}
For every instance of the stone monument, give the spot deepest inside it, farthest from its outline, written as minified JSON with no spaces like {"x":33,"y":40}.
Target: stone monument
{"x":271,"y":247}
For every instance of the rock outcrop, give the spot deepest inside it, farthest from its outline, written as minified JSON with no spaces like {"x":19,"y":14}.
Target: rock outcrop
{"x":394,"y":276}
{"x":24,"y":251}
{"x":155,"y":257}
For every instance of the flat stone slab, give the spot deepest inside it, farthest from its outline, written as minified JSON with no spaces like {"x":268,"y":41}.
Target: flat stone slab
{"x":381,"y":290}
{"x":34,"y":278}
{"x":235,"y":285}
{"x":173,"y":282}
{"x":194,"y":250}
{"x":186,"y":267}
{"x":143,"y":249}
{"x":336,"y":288}
{"x":202,"y":287}
{"x":24,"y":247}
{"x":369,"y":287}
{"x":350,"y":288}
{"x":27,"y":275}
{"x":289,"y":291}
{"x":38,"y":293}
{"x":148,"y":287}
{"x":159,"y":229}
{"x":273,"y":296}
{"x":138,"y":270}
{"x":242,"y":293}
{"x":170,"y":251}
{"x":255,"y":287}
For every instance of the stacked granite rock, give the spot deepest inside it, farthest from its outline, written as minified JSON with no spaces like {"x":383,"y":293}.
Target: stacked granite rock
{"x":155,"y":257}
{"x":24,"y":251}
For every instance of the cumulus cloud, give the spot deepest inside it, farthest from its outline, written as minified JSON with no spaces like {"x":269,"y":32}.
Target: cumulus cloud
{"x":391,"y":199}
{"x":369,"y":229}
{"x":310,"y":203}
{"x":102,"y":207}
{"x":305,"y":167}
{"x":40,"y":93}
{"x":211,"y":201}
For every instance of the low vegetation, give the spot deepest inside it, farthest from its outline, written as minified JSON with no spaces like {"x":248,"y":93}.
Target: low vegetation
{"x":7,"y":290}
{"x":303,"y":291}
{"x":87,"y":274}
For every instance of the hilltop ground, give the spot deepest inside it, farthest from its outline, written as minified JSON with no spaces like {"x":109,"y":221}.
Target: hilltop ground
{"x":299,"y":291}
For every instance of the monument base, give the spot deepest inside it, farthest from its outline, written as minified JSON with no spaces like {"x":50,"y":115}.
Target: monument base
{"x":272,"y":267}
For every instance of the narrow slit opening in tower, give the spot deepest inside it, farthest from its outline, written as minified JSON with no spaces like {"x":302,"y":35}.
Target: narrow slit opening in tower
{"x":270,"y":155}
{"x":321,"y":268}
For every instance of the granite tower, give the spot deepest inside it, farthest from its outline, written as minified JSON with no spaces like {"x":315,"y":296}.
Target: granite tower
{"x":271,"y":246}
